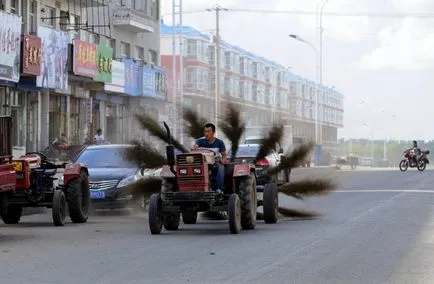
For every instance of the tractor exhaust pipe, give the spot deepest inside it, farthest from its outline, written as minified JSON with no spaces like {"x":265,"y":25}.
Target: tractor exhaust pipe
{"x":170,"y":150}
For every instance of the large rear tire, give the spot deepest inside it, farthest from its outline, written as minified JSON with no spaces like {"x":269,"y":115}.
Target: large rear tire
{"x":78,"y":198}
{"x":421,"y":165}
{"x":59,"y":208}
{"x":248,"y":200}
{"x":403,"y":165}
{"x":154,"y":214}
{"x":270,"y":203}
{"x":234,"y":213}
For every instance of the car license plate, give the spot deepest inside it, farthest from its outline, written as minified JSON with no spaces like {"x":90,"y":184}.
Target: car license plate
{"x":97,"y":195}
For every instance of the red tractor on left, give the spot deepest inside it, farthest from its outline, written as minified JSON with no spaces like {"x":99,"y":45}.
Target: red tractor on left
{"x":29,"y":182}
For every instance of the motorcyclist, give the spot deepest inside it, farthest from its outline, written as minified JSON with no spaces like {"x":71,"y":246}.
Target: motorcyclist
{"x":210,"y":141}
{"x":416,"y":150}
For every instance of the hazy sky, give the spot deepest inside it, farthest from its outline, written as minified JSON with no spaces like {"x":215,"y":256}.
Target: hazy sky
{"x":383,"y":66}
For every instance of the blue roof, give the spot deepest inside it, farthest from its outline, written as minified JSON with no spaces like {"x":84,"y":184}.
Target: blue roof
{"x":189,"y":31}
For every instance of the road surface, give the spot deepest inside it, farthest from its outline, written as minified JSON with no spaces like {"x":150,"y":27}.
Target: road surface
{"x":378,"y":228}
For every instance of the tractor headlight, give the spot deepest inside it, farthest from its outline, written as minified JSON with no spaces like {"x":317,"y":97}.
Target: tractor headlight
{"x":183,"y":171}
{"x":197,"y":171}
{"x":61,"y":180}
{"x":127,"y":181}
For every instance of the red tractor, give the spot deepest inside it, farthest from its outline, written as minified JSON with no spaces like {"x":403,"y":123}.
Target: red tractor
{"x":33,"y":185}
{"x":187,"y":189}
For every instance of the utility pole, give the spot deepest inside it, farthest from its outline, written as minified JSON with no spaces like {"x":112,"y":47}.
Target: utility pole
{"x":174,"y":79}
{"x":217,"y":8}
{"x":181,"y":74}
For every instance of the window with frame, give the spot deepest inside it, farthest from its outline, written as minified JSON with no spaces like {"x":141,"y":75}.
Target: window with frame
{"x":191,"y":48}
{"x":125,"y":49}
{"x":153,"y":57}
{"x":48,"y":16}
{"x":140,"y":52}
{"x":112,"y":43}
{"x":14,"y":7}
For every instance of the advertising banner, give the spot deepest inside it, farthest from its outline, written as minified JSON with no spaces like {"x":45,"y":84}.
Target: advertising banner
{"x":32,"y":53}
{"x":133,"y":77}
{"x":117,"y":84}
{"x":10,"y":47}
{"x":84,"y":58}
{"x":104,"y":57}
{"x":154,"y":83}
{"x":54,"y":68}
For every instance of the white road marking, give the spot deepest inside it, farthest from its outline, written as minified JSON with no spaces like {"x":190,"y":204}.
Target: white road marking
{"x":387,"y":190}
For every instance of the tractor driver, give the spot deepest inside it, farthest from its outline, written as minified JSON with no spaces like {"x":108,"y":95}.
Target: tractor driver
{"x":210,"y":141}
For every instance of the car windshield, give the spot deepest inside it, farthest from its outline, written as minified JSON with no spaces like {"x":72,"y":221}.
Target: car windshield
{"x":110,"y":157}
{"x":246,"y":151}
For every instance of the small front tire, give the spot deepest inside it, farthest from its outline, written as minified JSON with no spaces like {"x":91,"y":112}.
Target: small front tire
{"x":59,"y":208}
{"x":234,"y":212}
{"x":155,"y":221}
{"x":270,"y":203}
{"x":403,"y":165}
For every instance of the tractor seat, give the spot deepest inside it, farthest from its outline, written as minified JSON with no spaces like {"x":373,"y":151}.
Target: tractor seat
{"x":50,"y":172}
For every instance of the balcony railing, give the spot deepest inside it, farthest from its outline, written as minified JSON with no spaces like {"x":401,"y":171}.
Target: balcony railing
{"x":132,"y":20}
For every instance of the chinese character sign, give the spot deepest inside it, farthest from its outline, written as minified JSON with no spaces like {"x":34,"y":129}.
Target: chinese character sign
{"x":154,"y":83}
{"x":104,"y":58}
{"x":10,"y":45}
{"x":32,"y":53}
{"x":54,"y":68}
{"x":84,"y":59}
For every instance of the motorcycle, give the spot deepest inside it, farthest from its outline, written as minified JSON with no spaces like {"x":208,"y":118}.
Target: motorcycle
{"x":411,"y":161}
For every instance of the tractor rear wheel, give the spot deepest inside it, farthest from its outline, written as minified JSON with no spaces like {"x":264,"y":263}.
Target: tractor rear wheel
{"x":248,"y":200}
{"x":10,"y":214}
{"x":59,"y":208}
{"x":271,"y":203}
{"x":234,"y":212}
{"x":154,"y":214}
{"x":78,"y":197}
{"x":189,"y":216}
{"x":171,"y":221}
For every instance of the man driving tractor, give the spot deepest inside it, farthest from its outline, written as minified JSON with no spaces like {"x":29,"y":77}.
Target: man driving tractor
{"x":210,"y":141}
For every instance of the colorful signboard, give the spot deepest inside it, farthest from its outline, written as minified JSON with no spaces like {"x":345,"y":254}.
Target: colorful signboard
{"x":154,"y":83}
{"x":84,"y":58}
{"x":104,"y":57}
{"x":133,"y":77}
{"x":117,"y":84}
{"x":10,"y":47}
{"x":54,"y":68}
{"x":32,"y":54}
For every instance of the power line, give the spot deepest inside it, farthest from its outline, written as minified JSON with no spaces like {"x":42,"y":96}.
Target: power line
{"x":329,"y":14}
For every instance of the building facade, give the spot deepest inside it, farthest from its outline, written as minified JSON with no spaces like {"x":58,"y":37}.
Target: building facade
{"x":265,"y":90}
{"x":61,"y":72}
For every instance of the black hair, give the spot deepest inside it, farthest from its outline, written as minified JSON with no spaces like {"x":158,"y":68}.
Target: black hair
{"x":210,"y":125}
{"x":414,"y":142}
{"x":99,"y":130}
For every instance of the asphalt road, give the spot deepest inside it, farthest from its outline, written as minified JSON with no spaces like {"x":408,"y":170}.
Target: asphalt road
{"x":378,"y":228}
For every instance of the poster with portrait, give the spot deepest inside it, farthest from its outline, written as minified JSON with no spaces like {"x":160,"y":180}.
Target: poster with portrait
{"x":54,"y":68}
{"x":10,"y":46}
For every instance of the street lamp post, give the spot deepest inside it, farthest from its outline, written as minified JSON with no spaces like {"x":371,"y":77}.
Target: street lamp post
{"x":217,"y":8}
{"x":319,"y":12}
{"x":296,"y":37}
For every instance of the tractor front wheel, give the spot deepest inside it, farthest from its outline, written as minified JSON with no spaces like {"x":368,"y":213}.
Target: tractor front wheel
{"x":59,"y":208}
{"x":271,"y":203}
{"x":154,"y":214}
{"x":78,"y":197}
{"x":234,"y":212}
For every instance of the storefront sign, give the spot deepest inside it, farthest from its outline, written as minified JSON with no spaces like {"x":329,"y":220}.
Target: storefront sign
{"x":54,"y":68}
{"x":133,"y":77}
{"x":32,"y":53}
{"x":154,"y":83}
{"x":117,"y":84}
{"x":104,"y":58}
{"x":84,"y":59}
{"x":10,"y":46}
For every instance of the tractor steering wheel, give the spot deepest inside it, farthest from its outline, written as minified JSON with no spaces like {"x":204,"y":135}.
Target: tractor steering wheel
{"x":42,"y":156}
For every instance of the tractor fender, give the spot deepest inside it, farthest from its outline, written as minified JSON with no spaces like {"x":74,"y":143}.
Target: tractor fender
{"x":73,"y":171}
{"x":243,"y":170}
